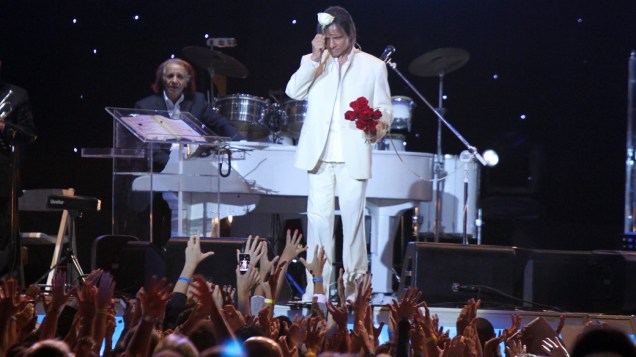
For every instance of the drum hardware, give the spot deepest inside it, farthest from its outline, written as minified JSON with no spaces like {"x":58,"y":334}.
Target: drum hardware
{"x":402,"y":113}
{"x":295,"y":113}
{"x":247,"y":113}
{"x":396,"y":142}
{"x":438,"y":63}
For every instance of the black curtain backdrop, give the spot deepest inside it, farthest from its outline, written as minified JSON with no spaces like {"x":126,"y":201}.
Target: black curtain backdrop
{"x":562,"y":64}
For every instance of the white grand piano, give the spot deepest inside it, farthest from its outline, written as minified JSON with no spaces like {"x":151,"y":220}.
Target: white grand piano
{"x":263,"y":180}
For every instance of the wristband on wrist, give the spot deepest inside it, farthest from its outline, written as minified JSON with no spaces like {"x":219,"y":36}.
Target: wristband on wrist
{"x":102,"y":311}
{"x":269,"y":301}
{"x":184,"y":279}
{"x":318,"y":280}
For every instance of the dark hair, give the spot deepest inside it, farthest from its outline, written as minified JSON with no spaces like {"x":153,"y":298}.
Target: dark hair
{"x":157,"y":86}
{"x":603,"y":340}
{"x":343,"y":20}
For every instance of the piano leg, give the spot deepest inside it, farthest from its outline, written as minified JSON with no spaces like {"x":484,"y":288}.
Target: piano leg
{"x":384,"y":214}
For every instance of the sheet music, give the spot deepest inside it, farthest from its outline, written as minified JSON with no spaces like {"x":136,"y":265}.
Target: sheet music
{"x":159,"y":127}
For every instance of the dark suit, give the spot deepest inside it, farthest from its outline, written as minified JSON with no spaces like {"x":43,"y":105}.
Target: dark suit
{"x":19,"y":129}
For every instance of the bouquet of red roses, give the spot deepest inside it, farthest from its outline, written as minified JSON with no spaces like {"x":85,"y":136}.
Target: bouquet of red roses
{"x":366,"y":118}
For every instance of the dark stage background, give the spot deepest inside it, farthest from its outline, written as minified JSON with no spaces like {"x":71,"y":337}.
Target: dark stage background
{"x":562,"y":64}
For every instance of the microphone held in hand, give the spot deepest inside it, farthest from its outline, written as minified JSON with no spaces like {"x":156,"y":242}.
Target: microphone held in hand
{"x":388,"y":51}
{"x":457,"y":287}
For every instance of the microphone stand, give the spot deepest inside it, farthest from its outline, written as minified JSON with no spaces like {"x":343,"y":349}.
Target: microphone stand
{"x":438,"y":169}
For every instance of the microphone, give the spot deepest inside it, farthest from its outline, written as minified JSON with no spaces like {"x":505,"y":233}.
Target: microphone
{"x":388,"y":51}
{"x":457,"y":287}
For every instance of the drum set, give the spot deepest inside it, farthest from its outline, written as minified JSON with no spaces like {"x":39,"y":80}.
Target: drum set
{"x":261,"y":119}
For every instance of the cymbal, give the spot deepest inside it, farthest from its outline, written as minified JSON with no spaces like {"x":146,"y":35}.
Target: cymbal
{"x":439,"y":62}
{"x":217,"y":61}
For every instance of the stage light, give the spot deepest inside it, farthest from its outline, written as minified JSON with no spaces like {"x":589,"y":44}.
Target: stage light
{"x":491,"y":157}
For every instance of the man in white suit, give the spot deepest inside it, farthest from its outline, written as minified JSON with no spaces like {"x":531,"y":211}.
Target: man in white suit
{"x":336,"y":154}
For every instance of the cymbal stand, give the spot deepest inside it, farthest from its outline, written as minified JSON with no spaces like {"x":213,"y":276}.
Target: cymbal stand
{"x":438,"y":166}
{"x":438,"y":169}
{"x":211,"y":91}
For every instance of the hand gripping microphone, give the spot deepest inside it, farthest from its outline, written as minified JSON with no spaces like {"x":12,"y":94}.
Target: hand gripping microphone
{"x":388,"y":51}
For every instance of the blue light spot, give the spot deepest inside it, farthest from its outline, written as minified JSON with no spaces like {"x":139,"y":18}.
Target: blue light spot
{"x":294,"y":22}
{"x":94,"y":51}
{"x":579,"y":20}
{"x":495,"y":76}
{"x":136,"y":17}
{"x":74,"y":21}
{"x":522,"y":117}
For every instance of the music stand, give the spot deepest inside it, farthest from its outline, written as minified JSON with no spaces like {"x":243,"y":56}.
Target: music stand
{"x":156,"y":135}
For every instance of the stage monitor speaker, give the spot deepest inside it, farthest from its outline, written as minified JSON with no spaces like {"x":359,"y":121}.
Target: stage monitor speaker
{"x":219,"y":268}
{"x":449,"y":274}
{"x":131,"y":262}
{"x":582,"y":281}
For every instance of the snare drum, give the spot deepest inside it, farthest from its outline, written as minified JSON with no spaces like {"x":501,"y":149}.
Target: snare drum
{"x":247,"y":114}
{"x":402,"y":108}
{"x":391,"y":141}
{"x":295,"y":112}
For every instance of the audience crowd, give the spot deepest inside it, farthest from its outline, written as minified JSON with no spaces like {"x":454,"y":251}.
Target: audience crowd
{"x":194,"y":317}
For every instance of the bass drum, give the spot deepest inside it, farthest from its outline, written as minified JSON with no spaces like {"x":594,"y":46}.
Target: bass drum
{"x":402,"y":113}
{"x":391,"y":142}
{"x":295,"y":112}
{"x":247,"y":113}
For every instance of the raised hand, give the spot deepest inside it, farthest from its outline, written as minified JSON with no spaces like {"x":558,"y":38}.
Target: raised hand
{"x":409,"y":305}
{"x":467,"y":314}
{"x":293,"y":246}
{"x":455,"y":348}
{"x":315,"y":334}
{"x":233,"y":317}
{"x":362,"y":297}
{"x":255,"y":248}
{"x":317,"y":264}
{"x":153,"y":300}
{"x":553,"y":347}
{"x":362,"y":336}
{"x":289,"y":350}
{"x":339,"y":314}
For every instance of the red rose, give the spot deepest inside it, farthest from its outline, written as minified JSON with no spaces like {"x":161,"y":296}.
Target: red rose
{"x":350,"y":115}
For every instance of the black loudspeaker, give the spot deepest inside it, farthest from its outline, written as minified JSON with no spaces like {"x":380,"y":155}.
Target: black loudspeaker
{"x":219,"y":268}
{"x":476,"y":271}
{"x":132,"y":262}
{"x":582,"y":281}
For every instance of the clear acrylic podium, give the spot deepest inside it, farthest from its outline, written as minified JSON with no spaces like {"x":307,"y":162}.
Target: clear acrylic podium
{"x":150,"y":156}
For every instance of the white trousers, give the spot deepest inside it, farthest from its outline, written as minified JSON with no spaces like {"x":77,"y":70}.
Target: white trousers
{"x":328,"y":180}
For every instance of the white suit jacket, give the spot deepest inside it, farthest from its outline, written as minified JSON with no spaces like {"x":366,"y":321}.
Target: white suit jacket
{"x":364,"y":76}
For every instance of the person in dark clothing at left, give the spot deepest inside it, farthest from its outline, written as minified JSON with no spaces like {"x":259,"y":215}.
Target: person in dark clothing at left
{"x":17,"y":128}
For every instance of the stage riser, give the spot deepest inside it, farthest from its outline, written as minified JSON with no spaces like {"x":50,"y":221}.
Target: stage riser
{"x":582,"y":281}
